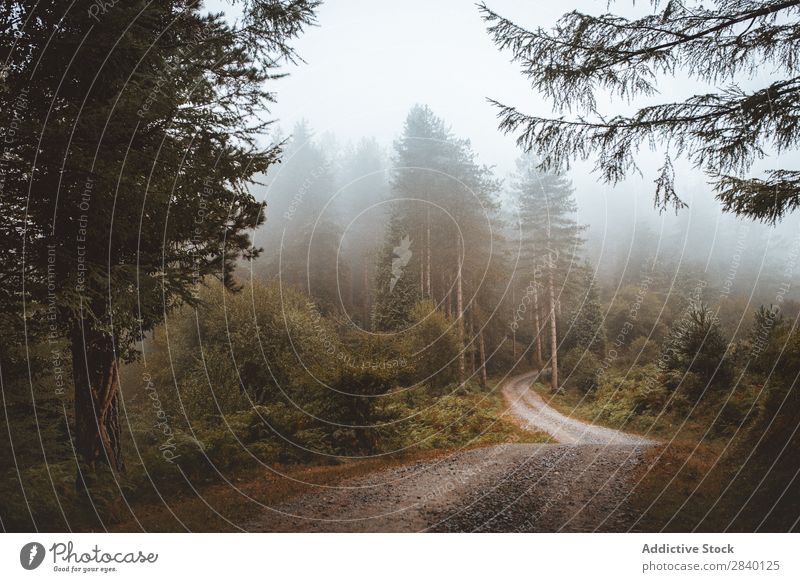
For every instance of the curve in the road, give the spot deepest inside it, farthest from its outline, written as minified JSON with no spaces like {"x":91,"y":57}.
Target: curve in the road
{"x":578,"y":485}
{"x":533,"y":412}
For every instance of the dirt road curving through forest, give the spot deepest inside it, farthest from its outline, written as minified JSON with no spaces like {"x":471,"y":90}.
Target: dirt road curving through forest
{"x":532,"y":412}
{"x":580,"y":484}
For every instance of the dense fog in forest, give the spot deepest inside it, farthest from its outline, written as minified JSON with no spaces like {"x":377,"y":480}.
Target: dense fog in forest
{"x":342,"y":105}
{"x":255,"y":251}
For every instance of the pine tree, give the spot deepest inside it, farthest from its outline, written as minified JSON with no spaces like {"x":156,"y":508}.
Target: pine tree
{"x":302,"y":221}
{"x":696,"y":344}
{"x":550,"y":238}
{"x":588,"y":327}
{"x":721,"y":132}
{"x":131,"y":146}
{"x":396,"y":289}
{"x":421,"y":181}
{"x":363,"y":191}
{"x":447,"y":206}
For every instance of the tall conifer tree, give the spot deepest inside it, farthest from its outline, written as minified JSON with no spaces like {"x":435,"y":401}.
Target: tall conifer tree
{"x":134,"y":139}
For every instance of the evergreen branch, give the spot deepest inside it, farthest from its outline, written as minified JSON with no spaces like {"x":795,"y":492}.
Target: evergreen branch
{"x":584,"y":53}
{"x":718,"y":133}
{"x":765,"y":200}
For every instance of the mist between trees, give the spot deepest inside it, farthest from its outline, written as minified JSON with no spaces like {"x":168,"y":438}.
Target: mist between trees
{"x":179,"y":324}
{"x":392,"y":290}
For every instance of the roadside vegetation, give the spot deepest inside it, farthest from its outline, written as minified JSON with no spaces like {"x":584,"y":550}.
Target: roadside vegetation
{"x":717,"y":396}
{"x":200,"y":425}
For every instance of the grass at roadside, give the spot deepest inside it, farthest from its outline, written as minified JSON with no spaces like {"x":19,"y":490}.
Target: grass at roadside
{"x":467,"y":419}
{"x":218,"y":474}
{"x":602,"y":411}
{"x":678,"y":486}
{"x":696,"y":480}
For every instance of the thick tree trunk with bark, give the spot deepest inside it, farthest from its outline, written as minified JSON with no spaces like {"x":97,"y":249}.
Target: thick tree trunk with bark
{"x":98,"y":436}
{"x":553,"y":331}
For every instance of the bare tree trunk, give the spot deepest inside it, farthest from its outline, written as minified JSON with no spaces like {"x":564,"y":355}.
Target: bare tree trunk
{"x":538,"y":330}
{"x":460,"y":314}
{"x":428,"y":266}
{"x":422,"y":274}
{"x":98,"y":436}
{"x":353,"y":285}
{"x":513,"y":329}
{"x":484,"y":378}
{"x":514,"y":344}
{"x":472,"y":367}
{"x":366,"y":294}
{"x":553,"y":331}
{"x":449,"y":304}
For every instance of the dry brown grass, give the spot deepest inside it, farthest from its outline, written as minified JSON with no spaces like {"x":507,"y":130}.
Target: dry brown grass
{"x":677,"y":486}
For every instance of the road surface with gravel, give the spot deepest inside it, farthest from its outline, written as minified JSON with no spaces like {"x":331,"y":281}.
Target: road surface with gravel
{"x":579,"y":484}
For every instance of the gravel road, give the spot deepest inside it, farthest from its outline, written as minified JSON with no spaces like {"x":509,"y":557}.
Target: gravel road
{"x":531,"y":411}
{"x":577,"y":485}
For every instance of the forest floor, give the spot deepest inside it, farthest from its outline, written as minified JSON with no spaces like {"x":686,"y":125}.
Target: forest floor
{"x":583,"y":483}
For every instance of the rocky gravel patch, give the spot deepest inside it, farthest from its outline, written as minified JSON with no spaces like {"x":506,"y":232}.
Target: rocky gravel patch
{"x":579,"y":485}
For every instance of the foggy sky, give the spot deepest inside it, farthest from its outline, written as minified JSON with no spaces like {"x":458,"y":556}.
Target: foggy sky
{"x":368,"y":62}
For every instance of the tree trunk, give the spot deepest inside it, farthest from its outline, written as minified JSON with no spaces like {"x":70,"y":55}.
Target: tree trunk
{"x":484,"y":379}
{"x":553,"y":331}
{"x":366,"y":295}
{"x":98,"y":437}
{"x":514,"y":345}
{"x":428,"y":266}
{"x":422,"y":274}
{"x":460,"y":314}
{"x":353,"y":285}
{"x":472,"y":354}
{"x":513,"y":329}
{"x":538,"y":330}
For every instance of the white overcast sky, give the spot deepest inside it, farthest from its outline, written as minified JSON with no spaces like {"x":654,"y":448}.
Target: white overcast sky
{"x":368,"y":61}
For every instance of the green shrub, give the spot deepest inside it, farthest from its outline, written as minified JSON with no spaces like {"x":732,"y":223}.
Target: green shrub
{"x":431,"y":345}
{"x":636,"y":396}
{"x":580,"y":368}
{"x":696,"y":344}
